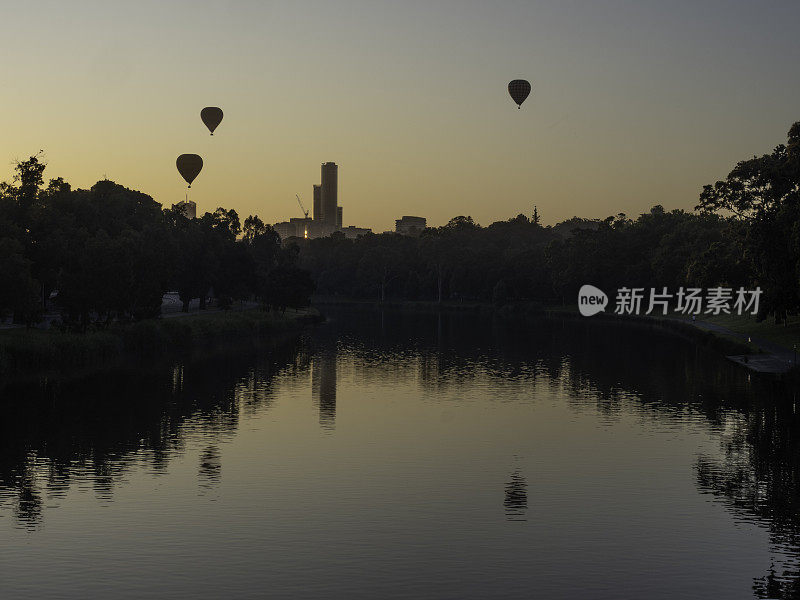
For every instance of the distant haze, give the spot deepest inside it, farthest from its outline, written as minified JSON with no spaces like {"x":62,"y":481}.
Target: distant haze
{"x":634,"y":103}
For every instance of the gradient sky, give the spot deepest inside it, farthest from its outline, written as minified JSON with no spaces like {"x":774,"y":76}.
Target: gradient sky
{"x":634,"y":103}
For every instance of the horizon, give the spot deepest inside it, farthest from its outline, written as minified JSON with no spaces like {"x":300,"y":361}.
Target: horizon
{"x":632,"y":106}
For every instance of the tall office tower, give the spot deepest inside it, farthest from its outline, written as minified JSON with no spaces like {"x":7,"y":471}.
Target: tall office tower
{"x":329,"y":199}
{"x":339,"y":216}
{"x":317,"y":203}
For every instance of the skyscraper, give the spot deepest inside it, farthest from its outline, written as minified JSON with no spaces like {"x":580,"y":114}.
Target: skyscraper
{"x":329,"y":198}
{"x":317,"y":203}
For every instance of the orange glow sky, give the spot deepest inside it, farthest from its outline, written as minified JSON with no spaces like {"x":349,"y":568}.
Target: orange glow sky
{"x":633,"y":103}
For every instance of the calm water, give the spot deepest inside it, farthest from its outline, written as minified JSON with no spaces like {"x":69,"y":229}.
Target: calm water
{"x":391,"y":456}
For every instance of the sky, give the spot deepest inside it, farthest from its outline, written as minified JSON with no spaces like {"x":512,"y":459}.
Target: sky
{"x":634,"y":103}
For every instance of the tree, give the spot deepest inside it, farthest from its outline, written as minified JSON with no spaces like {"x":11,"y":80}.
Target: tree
{"x":29,"y":175}
{"x":253,"y":226}
{"x":19,"y":291}
{"x":764,"y":193}
{"x":288,"y":286}
{"x":500,"y":293}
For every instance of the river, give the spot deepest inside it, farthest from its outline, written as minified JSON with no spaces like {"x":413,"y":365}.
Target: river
{"x":395,"y":455}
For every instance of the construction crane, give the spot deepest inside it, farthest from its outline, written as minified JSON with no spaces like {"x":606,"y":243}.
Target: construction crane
{"x":303,"y":208}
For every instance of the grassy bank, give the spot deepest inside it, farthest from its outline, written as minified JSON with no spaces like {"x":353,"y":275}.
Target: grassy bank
{"x":783,"y":335}
{"x":718,"y":342}
{"x":24,"y":352}
{"x":407,"y":305}
{"x":780,"y":334}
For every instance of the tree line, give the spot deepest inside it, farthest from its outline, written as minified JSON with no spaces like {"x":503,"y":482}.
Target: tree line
{"x":744,"y":232}
{"x":111,"y":253}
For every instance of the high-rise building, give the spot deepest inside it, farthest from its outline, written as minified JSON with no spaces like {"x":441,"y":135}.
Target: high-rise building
{"x":329,"y":198}
{"x":317,"y":203}
{"x":327,"y":218}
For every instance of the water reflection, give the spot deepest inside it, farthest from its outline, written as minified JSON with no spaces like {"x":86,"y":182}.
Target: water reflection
{"x":516,"y":500}
{"x":323,"y":386}
{"x":758,"y":478}
{"x":614,"y":370}
{"x":93,"y":433}
{"x":210,"y":471}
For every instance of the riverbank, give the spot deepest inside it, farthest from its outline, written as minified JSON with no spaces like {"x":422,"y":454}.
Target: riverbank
{"x":716,"y":338}
{"x":761,"y":347}
{"x":28,"y":353}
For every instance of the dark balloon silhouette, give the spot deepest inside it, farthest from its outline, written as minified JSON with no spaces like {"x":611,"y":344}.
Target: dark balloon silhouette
{"x":519,"y":90}
{"x":189,"y":166}
{"x":212,"y":116}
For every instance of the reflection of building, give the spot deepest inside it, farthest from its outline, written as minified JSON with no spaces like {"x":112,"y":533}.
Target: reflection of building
{"x":210,"y":470}
{"x":410,"y":225}
{"x":327,"y":217}
{"x":187,"y":207}
{"x":516,"y":501}
{"x":323,"y":387}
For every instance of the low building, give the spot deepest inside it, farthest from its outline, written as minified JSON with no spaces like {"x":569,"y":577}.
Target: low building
{"x":310,"y":229}
{"x":410,"y":225}
{"x":294,"y":227}
{"x":302,"y":226}
{"x":351,"y":232}
{"x":285,"y":229}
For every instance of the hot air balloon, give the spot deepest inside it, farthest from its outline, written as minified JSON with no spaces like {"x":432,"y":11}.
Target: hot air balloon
{"x":212,"y":116}
{"x":519,"y":90}
{"x":189,"y":166}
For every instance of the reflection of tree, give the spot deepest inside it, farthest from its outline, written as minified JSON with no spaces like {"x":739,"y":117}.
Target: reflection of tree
{"x":758,"y":478}
{"x":97,"y":429}
{"x":53,"y":437}
{"x":611,"y":368}
{"x":770,"y":586}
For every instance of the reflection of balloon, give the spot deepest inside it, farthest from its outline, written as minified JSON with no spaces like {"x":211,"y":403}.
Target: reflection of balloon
{"x":189,"y":166}
{"x":211,"y":116}
{"x":519,"y":90}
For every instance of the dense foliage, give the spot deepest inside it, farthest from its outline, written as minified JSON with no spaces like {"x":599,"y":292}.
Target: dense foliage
{"x":745,"y":232}
{"x":520,"y":259}
{"x":110,"y":253}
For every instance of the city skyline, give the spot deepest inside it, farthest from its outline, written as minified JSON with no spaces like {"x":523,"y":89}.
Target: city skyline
{"x":632,"y":105}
